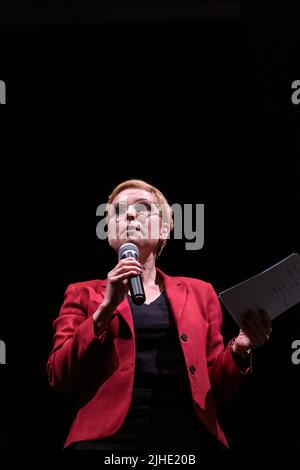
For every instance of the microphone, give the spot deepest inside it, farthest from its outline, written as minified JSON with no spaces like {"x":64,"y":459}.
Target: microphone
{"x":135,"y":282}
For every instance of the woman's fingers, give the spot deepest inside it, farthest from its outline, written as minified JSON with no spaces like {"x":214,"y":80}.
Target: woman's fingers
{"x":249,"y":329}
{"x":126,"y":269}
{"x":117,"y":280}
{"x":125,"y":266}
{"x":257,"y":327}
{"x":129,"y":261}
{"x":266,"y":320}
{"x":125,"y":275}
{"x":249,"y":334}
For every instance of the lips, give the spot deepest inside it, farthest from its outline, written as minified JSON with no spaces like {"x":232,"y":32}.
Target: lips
{"x":133,"y":228}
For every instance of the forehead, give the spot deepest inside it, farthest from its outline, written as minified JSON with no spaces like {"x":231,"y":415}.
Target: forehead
{"x":131,"y":195}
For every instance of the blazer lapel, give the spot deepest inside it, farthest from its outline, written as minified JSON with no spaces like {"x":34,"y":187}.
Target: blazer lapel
{"x":176,"y":293}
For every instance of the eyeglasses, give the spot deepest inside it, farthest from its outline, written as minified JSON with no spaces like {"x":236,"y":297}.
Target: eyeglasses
{"x":142,"y":209}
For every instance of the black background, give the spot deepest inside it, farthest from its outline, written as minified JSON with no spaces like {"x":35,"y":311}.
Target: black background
{"x":202,"y":109}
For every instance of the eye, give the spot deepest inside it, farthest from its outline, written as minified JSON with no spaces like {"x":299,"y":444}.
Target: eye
{"x":143,"y":207}
{"x":121,"y":209}
{"x":116,"y":211}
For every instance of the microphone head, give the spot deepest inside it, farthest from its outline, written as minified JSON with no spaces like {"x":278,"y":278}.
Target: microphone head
{"x":128,"y":249}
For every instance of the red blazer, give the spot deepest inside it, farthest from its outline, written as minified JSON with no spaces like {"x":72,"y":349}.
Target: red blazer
{"x":100,"y":370}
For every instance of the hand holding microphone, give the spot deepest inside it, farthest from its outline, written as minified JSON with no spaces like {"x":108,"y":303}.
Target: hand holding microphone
{"x":130,"y":250}
{"x":126,"y":272}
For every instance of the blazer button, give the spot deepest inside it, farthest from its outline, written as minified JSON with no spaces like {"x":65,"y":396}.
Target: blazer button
{"x":183,"y":336}
{"x":192,"y":369}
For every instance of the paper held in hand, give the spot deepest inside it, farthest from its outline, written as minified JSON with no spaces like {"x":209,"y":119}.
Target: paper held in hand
{"x":275,"y":290}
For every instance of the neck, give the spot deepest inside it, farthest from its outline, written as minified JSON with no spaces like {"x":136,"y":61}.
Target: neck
{"x":149,"y":275}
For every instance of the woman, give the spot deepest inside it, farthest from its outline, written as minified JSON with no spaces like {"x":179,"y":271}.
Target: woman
{"x":147,"y":376}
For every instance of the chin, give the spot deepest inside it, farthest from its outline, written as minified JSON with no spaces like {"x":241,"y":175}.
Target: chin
{"x":129,"y":239}
{"x":133,"y":239}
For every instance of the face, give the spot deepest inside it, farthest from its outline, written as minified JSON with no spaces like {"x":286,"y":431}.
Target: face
{"x":134,"y":217}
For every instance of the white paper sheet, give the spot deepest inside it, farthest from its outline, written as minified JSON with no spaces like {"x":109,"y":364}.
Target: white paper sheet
{"x":275,"y":290}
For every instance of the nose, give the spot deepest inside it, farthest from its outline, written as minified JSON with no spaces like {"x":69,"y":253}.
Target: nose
{"x":131,"y":213}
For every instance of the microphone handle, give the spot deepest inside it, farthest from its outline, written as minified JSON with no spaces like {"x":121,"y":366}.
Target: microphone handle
{"x":136,"y":290}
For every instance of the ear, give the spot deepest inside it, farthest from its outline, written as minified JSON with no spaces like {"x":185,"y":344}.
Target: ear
{"x":164,"y":231}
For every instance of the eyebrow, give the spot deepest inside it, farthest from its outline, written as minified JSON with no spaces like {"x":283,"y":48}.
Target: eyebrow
{"x":138,"y":200}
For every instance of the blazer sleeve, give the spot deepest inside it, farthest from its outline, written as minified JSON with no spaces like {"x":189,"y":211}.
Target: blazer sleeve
{"x":225,"y":375}
{"x":76,"y":346}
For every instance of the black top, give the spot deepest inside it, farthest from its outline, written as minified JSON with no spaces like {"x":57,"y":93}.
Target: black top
{"x":161,"y":414}
{"x":158,"y":351}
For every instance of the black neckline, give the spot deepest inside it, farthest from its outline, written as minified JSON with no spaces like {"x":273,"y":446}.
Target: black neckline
{"x":162,"y":294}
